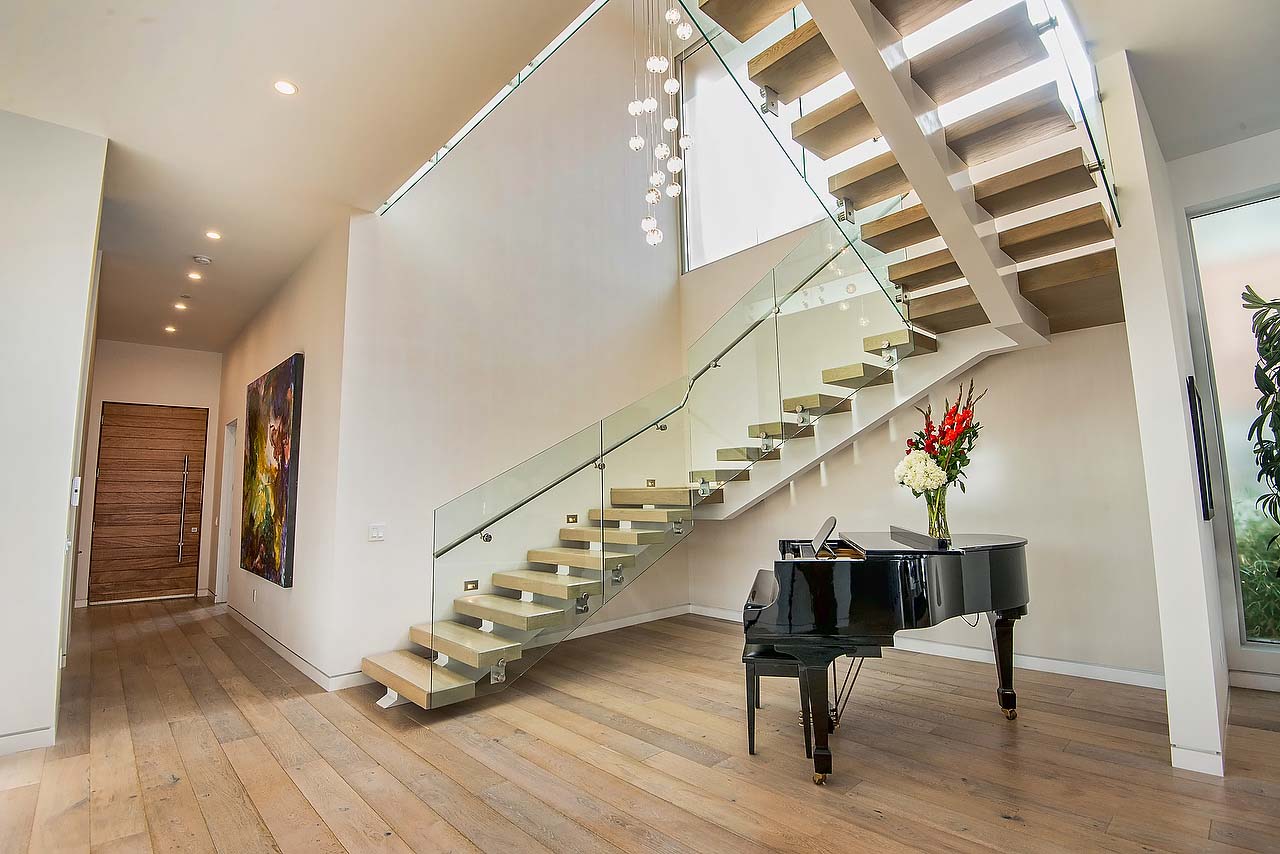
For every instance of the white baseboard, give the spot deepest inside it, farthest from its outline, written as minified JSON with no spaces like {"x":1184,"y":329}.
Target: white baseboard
{"x":82,"y":603}
{"x":1103,"y":672}
{"x":1257,"y":681}
{"x":204,"y":591}
{"x":633,"y":620}
{"x":20,"y":741}
{"x":315,"y":674}
{"x":1196,"y":760}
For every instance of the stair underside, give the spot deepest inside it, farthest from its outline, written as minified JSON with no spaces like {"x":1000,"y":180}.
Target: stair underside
{"x":620,"y":536}
{"x":1068,"y":230}
{"x":835,"y":127}
{"x":526,"y":616}
{"x":581,"y":558}
{"x":1014,"y":124}
{"x":639,"y":514}
{"x":1078,"y":293}
{"x":907,"y":16}
{"x":909,"y":342}
{"x":935,"y":268}
{"x":870,"y":181}
{"x":795,"y":64}
{"x":780,"y":430}
{"x":548,"y":584}
{"x":858,"y":375}
{"x":818,"y":403}
{"x":465,"y":643}
{"x":990,"y":50}
{"x":719,"y":475}
{"x":746,"y":454}
{"x":417,"y":679}
{"x":745,"y":18}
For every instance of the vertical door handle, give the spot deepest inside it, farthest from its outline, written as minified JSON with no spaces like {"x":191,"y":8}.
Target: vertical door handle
{"x":182,"y":512}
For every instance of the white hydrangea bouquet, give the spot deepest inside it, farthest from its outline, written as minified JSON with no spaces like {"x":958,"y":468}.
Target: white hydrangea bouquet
{"x":937,"y":457}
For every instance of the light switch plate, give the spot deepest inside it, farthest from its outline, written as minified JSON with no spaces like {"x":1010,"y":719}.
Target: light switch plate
{"x":377,"y":532}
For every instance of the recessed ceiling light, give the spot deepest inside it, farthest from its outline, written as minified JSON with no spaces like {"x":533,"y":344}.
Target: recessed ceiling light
{"x":180,"y":306}
{"x":194,"y":276}
{"x":213,"y":235}
{"x":171,"y":329}
{"x":284,"y":87}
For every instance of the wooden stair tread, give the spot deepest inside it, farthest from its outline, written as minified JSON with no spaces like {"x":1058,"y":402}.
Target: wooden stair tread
{"x":900,"y":229}
{"x":719,"y":475}
{"x":780,"y":430}
{"x":1069,"y":230}
{"x":547,"y":583}
{"x":926,"y":270}
{"x":870,"y":181}
{"x":669,"y":496}
{"x":907,"y":16}
{"x":835,"y":127}
{"x":797,"y":63}
{"x":621,"y":536}
{"x":465,"y":643}
{"x":858,"y":375}
{"x":749,"y":454}
{"x":988,"y":51}
{"x":580,"y":558}
{"x":416,"y":679}
{"x":948,"y":311}
{"x":1021,"y":121}
{"x":912,"y":340}
{"x":640,"y":514}
{"x":743,"y":19}
{"x":527,"y":616}
{"x":818,"y":402}
{"x":1078,"y":293}
{"x":1055,"y":177}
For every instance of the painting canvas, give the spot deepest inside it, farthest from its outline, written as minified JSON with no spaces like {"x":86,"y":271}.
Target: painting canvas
{"x":273,"y":422}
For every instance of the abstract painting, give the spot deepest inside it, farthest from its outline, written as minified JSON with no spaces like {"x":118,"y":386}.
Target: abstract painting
{"x":273,"y":426}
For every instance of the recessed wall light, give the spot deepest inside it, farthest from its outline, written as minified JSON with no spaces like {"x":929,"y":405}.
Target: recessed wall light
{"x":180,"y":306}
{"x":284,"y":87}
{"x":194,"y":276}
{"x":171,"y":329}
{"x":213,"y":235}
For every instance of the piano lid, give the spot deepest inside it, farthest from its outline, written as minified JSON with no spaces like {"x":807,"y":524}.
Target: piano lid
{"x":898,"y":541}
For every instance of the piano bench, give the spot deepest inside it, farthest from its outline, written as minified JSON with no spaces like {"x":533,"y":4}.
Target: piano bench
{"x":763,"y":660}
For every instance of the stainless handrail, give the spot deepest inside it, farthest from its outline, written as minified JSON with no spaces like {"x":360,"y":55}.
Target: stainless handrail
{"x":479,"y":529}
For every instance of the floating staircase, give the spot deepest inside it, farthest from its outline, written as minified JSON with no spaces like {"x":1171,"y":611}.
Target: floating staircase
{"x":1024,"y":161}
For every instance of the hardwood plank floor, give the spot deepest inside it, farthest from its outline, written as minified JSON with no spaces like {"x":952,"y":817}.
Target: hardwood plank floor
{"x":181,"y":731}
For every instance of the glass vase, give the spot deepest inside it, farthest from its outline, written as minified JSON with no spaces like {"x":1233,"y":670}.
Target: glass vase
{"x":936,"y":501}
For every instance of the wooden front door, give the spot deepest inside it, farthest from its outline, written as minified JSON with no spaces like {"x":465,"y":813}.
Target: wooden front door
{"x":147,"y":502}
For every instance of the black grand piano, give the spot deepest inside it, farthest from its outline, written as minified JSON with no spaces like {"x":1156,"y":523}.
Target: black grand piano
{"x":846,"y":596}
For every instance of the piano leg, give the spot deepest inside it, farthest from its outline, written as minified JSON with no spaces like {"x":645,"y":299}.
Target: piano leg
{"x":753,"y":693}
{"x":1002,"y":642}
{"x":815,"y":678}
{"x":804,"y":718}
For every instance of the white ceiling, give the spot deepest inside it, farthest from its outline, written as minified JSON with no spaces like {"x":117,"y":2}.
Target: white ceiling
{"x":200,"y":140}
{"x":1208,"y":69}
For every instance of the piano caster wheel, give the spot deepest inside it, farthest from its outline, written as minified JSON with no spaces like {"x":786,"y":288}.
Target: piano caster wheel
{"x":1010,"y":714}
{"x":820,"y":779}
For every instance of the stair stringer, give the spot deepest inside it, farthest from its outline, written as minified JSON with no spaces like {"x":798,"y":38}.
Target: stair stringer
{"x":913,"y":378}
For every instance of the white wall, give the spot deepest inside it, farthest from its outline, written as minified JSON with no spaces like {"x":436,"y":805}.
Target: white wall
{"x":306,"y":317}
{"x":506,"y":302}
{"x":168,"y":376}
{"x":1160,"y":344}
{"x":1058,"y":462}
{"x":50,"y":200}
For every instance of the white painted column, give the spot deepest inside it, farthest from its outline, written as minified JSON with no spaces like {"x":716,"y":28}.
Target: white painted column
{"x":1155,"y":310}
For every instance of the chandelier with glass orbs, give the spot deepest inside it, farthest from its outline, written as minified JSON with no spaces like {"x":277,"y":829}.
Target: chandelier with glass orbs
{"x":655,"y":85}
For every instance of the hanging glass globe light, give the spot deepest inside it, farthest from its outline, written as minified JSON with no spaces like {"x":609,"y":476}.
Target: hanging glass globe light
{"x":673,"y":16}
{"x":658,"y":178}
{"x":686,"y":142}
{"x":650,"y":104}
{"x":673,"y":189}
{"x":636,"y":143}
{"x":671,"y":86}
{"x":661,"y":65}
{"x":670,"y":123}
{"x":653,"y":237}
{"x":844,"y":306}
{"x":648,"y":224}
{"x":636,"y":107}
{"x":661,"y":151}
{"x":652,"y":196}
{"x":675,"y":164}
{"x":651,"y":64}
{"x":684,"y":31}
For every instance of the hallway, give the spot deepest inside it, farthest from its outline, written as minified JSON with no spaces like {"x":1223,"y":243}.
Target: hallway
{"x":179,"y":730}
